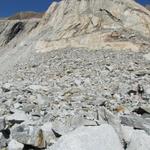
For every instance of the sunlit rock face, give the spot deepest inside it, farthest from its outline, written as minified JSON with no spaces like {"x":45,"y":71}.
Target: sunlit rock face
{"x":90,"y":24}
{"x":73,"y":19}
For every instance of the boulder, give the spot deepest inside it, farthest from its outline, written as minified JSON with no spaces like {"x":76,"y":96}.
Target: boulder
{"x":29,"y":135}
{"x":90,"y":138}
{"x":139,"y":141}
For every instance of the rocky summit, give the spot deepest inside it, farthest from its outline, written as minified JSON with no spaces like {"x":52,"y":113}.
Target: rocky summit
{"x":77,"y":78}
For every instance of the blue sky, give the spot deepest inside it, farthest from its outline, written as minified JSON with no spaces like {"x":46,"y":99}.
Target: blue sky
{"x":10,"y":7}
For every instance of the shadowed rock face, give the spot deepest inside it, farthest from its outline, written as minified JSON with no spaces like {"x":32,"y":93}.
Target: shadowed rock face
{"x":14,"y":31}
{"x":18,"y":27}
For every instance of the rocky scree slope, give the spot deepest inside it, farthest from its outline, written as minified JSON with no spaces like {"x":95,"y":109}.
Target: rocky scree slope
{"x":12,"y":34}
{"x":90,"y":90}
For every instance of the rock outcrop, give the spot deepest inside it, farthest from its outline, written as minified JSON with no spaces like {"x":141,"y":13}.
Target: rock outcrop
{"x":14,"y":31}
{"x":94,"y":24}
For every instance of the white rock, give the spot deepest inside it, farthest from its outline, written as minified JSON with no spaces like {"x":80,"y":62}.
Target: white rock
{"x":147,"y":91}
{"x":101,"y":137}
{"x":127,"y":133}
{"x":147,"y":56}
{"x":6,"y":87}
{"x":18,"y":116}
{"x":14,"y":145}
{"x":139,"y":141}
{"x":42,"y":100}
{"x":38,"y":87}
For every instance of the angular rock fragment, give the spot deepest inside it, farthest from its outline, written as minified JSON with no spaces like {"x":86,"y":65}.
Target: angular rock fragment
{"x":29,"y":135}
{"x":14,"y":145}
{"x":17,"y":117}
{"x":48,"y":133}
{"x":6,"y":87}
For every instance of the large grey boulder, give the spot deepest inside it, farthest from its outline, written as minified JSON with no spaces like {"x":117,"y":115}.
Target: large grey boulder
{"x":101,"y":137}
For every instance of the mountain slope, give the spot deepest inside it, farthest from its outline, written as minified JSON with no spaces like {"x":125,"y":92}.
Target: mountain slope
{"x":76,"y":79}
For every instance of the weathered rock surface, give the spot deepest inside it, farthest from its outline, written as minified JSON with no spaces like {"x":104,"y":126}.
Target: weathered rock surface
{"x":139,"y":141}
{"x":29,"y":135}
{"x":94,"y":24}
{"x":87,"y":138}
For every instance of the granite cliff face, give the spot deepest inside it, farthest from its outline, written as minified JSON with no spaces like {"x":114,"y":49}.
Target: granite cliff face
{"x":76,"y":79}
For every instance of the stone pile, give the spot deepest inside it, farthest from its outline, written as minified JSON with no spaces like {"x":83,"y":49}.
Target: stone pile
{"x":75,"y":99}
